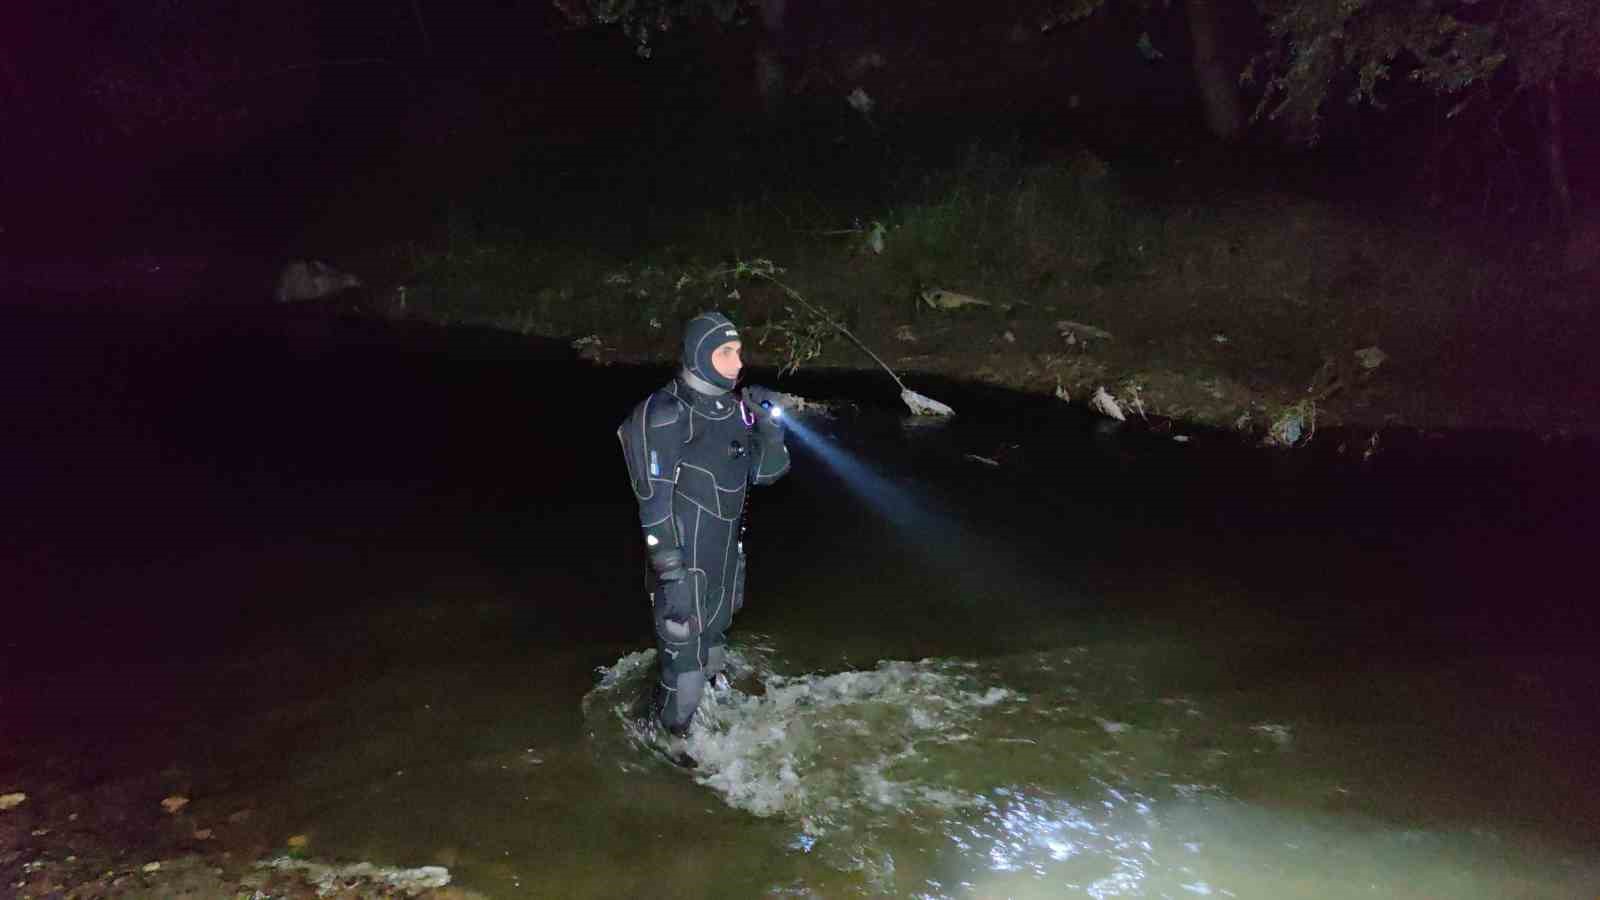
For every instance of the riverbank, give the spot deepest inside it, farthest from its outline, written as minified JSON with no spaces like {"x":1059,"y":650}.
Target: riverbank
{"x":121,"y":839}
{"x":1270,"y":315}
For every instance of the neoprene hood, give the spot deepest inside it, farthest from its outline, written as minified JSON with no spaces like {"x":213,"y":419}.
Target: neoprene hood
{"x":701,"y":337}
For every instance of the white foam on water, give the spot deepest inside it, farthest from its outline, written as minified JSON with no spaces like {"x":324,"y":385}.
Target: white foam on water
{"x":1042,"y":777}
{"x":826,"y":750}
{"x":818,"y":745}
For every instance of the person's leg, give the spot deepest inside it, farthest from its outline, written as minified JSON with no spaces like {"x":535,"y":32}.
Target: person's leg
{"x":680,"y":675}
{"x":690,"y":626}
{"x":691,"y":630}
{"x":716,"y":659}
{"x":727,"y":596}
{"x":737,"y":593}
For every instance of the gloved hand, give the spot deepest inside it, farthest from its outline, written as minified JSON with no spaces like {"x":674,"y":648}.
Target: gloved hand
{"x":668,"y":563}
{"x":764,"y":404}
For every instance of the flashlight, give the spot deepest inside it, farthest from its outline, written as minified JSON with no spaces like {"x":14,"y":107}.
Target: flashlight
{"x":772,"y":409}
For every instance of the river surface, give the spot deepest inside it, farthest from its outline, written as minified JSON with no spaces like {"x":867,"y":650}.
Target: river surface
{"x":383,"y":586}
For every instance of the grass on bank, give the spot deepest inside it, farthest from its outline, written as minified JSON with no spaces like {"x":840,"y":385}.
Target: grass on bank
{"x":989,"y":227}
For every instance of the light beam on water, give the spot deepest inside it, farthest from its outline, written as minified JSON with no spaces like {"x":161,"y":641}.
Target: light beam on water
{"x":1054,"y":774}
{"x":891,"y":502}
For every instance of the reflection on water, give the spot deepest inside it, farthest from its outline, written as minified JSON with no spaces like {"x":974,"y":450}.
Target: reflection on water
{"x":1053,"y":774}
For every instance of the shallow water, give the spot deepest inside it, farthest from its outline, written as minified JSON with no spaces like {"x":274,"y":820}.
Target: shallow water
{"x":385,"y":589}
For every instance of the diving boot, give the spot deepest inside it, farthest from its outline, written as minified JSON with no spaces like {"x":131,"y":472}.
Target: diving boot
{"x":676,"y":751}
{"x":673,"y":748}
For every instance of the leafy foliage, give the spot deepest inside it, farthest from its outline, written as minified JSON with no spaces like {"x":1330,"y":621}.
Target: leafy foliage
{"x":804,"y":329}
{"x":1447,"y":46}
{"x":1316,"y":47}
{"x":641,"y":19}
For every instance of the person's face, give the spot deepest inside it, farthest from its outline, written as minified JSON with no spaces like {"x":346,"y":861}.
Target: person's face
{"x":725,"y":359}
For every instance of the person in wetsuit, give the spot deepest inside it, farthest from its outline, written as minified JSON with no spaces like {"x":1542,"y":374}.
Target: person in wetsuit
{"x":692,"y":448}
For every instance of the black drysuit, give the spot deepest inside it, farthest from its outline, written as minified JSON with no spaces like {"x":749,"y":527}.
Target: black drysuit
{"x":691,"y":455}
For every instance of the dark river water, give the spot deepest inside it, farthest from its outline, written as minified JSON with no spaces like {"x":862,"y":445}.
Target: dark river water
{"x":383,"y":585}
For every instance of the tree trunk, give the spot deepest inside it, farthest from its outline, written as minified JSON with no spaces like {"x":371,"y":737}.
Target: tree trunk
{"x":1555,"y":157}
{"x":422,"y":28}
{"x":1219,"y":87}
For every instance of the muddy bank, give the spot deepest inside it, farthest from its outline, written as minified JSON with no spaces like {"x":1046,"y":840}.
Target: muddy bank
{"x":1255,"y":365}
{"x":1267,"y":314}
{"x":122,"y":838}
